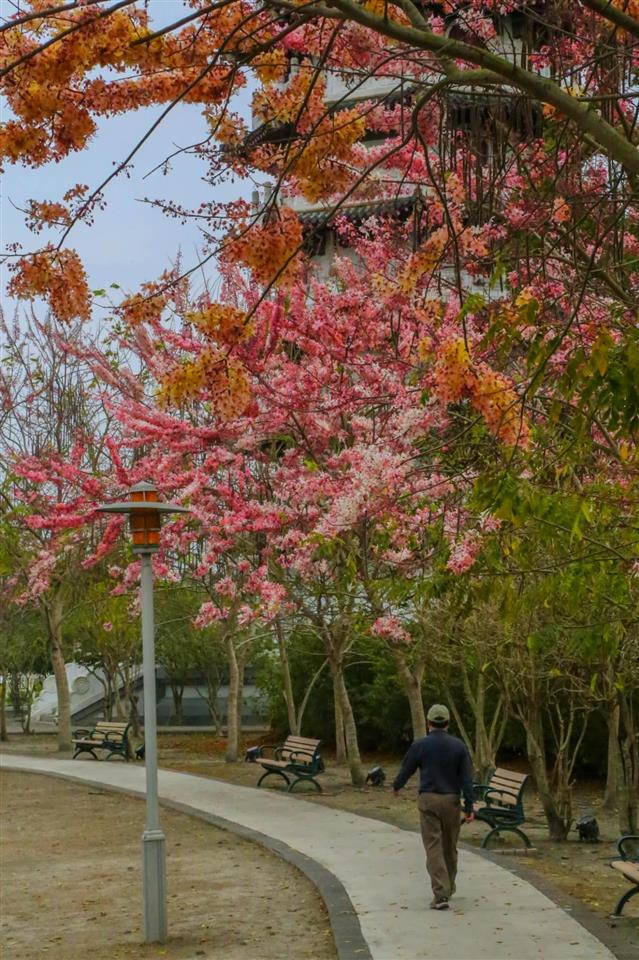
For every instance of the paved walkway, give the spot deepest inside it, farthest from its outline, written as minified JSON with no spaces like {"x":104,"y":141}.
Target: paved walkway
{"x":495,"y":916}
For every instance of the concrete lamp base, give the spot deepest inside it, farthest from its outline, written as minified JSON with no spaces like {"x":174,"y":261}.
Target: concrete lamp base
{"x":154,"y":870}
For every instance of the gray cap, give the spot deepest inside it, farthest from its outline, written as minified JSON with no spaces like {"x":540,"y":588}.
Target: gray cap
{"x":438,"y":713}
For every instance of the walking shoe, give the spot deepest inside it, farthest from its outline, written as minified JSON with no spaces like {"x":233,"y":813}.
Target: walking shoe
{"x":439,"y":903}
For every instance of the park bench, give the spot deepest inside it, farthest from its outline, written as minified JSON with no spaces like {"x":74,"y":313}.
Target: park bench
{"x":499,"y":803}
{"x":297,"y":759}
{"x":627,"y":864}
{"x":113,"y":737}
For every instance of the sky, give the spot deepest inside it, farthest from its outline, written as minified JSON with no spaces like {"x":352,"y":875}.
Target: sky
{"x":130,"y":241}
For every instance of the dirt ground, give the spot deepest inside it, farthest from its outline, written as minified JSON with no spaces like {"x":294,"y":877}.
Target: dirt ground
{"x":71,"y":883}
{"x":577,"y":869}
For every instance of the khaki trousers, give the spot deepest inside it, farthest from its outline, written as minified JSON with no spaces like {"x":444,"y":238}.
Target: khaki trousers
{"x":440,"y":821}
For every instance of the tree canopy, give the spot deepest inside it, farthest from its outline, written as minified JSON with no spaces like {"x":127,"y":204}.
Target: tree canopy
{"x":414,"y":397}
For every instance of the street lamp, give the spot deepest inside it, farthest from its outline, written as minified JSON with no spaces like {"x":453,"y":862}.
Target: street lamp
{"x":145,"y":516}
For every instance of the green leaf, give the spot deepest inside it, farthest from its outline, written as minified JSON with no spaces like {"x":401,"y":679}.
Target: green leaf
{"x":472,"y":303}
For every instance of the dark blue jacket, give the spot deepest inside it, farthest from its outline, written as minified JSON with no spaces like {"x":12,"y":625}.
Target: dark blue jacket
{"x":444,"y":764}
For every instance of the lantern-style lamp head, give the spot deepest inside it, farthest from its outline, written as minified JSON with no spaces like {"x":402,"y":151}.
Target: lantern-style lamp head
{"x":145,"y":515}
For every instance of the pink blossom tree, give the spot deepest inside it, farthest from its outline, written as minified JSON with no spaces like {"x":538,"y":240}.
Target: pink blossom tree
{"x":333,"y":478}
{"x":54,"y":437}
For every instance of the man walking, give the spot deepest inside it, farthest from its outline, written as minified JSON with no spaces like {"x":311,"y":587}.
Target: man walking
{"x":445,"y":773}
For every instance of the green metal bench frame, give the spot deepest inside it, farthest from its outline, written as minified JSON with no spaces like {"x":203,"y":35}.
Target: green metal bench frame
{"x":116,"y":742}
{"x":628,"y":849}
{"x":293,"y":764}
{"x":499,"y":816}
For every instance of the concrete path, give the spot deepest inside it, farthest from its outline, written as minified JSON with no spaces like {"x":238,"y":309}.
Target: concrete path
{"x":495,"y":915}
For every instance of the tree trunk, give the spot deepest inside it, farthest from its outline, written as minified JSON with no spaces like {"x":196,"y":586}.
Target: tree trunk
{"x":412,"y":683}
{"x":628,"y":785}
{"x":212,"y":694}
{"x":212,"y":691}
{"x":215,"y":720}
{"x":628,"y":812}
{"x":64,"y":697}
{"x":3,"y":710}
{"x":350,"y":728}
{"x":483,"y":746}
{"x":306,"y":697}
{"x":177,"y":692}
{"x":293,"y":721}
{"x":484,"y":749}
{"x":241,"y":664}
{"x":130,"y":698}
{"x":614,"y":759}
{"x":108,"y":697}
{"x":53,"y":612}
{"x":558,"y":828}
{"x":26,"y":713}
{"x":232,"y":727}
{"x":134,"y":716}
{"x":16,"y":695}
{"x":484,"y":754}
{"x":340,"y":742}
{"x":119,"y":706}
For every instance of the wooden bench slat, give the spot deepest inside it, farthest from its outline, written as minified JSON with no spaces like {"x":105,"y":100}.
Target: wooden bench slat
{"x":504,"y":787}
{"x":482,"y":805}
{"x":516,"y":781}
{"x":499,"y":799}
{"x":514,"y":785}
{"x":506,"y":798}
{"x":629,"y":869}
{"x":286,"y":761}
{"x":510,"y":774}
{"x":99,"y":743}
{"x":517,"y":778}
{"x":508,"y":786}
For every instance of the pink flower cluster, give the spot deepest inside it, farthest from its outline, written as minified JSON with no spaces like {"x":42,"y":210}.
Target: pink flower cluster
{"x":392,"y":631}
{"x":464,"y":552}
{"x":208,"y":614}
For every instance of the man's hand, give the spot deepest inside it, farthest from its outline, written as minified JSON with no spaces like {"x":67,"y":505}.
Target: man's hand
{"x":469,"y":817}
{"x":395,"y":792}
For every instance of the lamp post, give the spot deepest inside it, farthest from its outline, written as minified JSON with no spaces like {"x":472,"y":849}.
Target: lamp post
{"x":145,"y":516}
